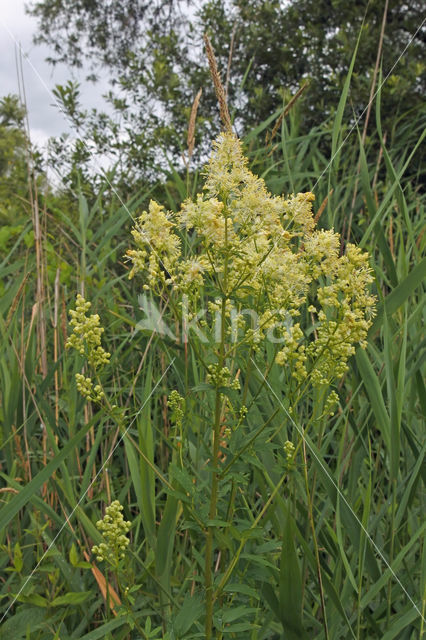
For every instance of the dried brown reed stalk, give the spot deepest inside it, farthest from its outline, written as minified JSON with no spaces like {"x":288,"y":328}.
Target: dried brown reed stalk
{"x":220,"y":91}
{"x":37,"y":227}
{"x":56,"y":343}
{"x":15,"y":300}
{"x":322,"y":207}
{"x":191,"y":125}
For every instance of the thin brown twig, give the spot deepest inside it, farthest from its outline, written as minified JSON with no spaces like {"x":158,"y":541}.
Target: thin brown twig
{"x":287,"y":109}
{"x":15,"y":300}
{"x":322,"y":207}
{"x":38,"y":237}
{"x":56,"y":345}
{"x":191,"y":125}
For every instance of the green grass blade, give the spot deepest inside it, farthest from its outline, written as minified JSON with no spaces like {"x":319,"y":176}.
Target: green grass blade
{"x":399,"y":295}
{"x":373,"y":389}
{"x":22,"y":498}
{"x":290,"y":586}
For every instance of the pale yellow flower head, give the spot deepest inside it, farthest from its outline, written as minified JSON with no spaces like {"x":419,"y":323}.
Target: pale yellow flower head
{"x":114,"y":531}
{"x":261,"y":252}
{"x":86,"y":335}
{"x":157,"y":247}
{"x":86,"y":339}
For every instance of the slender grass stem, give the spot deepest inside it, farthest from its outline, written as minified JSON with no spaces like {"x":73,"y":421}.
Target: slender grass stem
{"x":212,"y":514}
{"x":391,"y":552}
{"x":314,"y":538}
{"x":208,"y":576}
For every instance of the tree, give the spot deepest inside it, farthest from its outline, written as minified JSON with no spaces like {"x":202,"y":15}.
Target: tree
{"x":154,"y":54}
{"x":14,"y":147}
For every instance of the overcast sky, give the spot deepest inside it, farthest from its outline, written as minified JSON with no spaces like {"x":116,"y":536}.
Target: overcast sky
{"x":17,"y":28}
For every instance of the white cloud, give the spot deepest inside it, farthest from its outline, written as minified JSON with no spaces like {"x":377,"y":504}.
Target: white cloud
{"x":16,"y":30}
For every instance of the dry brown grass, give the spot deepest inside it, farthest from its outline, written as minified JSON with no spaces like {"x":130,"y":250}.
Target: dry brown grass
{"x":220,"y":91}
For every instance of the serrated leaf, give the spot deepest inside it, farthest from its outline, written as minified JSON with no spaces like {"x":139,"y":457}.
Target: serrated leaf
{"x":242,"y":588}
{"x":215,"y":522}
{"x":73,"y":555}
{"x":16,"y":626}
{"x":238,"y":627}
{"x":102,"y":632}
{"x":74,"y":597}
{"x":236,"y":613}
{"x":17,"y":557}
{"x":83,"y":565}
{"x":33,"y":598}
{"x":203,"y":386}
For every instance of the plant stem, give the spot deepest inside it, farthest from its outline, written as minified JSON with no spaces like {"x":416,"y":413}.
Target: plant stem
{"x":314,"y":537}
{"x":208,"y":577}
{"x":391,"y":553}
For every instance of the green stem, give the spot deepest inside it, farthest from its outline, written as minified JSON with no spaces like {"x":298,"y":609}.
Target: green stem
{"x":208,"y":576}
{"x":314,"y":537}
{"x":391,"y":553}
{"x":254,"y":524}
{"x":127,"y":604}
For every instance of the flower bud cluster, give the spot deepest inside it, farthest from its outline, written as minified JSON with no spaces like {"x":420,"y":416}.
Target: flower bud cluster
{"x":88,"y":389}
{"x":330,"y":403}
{"x":86,"y":339}
{"x":86,"y":335}
{"x":177,"y":404}
{"x":221,"y":377}
{"x":114,"y":530}
{"x":289,"y":451}
{"x":157,"y":247}
{"x":242,"y":412}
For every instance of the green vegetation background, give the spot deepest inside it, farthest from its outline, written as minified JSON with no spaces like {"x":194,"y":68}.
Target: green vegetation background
{"x":55,"y":242}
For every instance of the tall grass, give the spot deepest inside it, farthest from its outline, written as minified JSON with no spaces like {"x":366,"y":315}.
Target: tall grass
{"x":346,"y":560}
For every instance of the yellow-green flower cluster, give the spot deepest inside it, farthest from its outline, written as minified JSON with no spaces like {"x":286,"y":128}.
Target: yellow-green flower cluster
{"x":157,"y":247}
{"x":177,"y":404}
{"x":114,"y":530}
{"x":87,"y":389}
{"x":86,"y":335}
{"x":221,"y":377}
{"x":262,"y":252}
{"x":86,"y":339}
{"x":330,"y":403}
{"x":289,"y":451}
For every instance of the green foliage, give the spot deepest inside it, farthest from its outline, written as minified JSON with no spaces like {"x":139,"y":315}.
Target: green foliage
{"x":13,"y":167}
{"x":153,"y":53}
{"x":318,"y":529}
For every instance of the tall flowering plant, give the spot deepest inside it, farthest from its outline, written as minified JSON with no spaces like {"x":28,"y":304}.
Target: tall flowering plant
{"x":255,"y":285}
{"x":253,"y":249}
{"x":258,"y":267}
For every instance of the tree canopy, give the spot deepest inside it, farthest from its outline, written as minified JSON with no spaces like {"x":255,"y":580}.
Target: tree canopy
{"x":153,"y":53}
{"x":13,"y":162}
